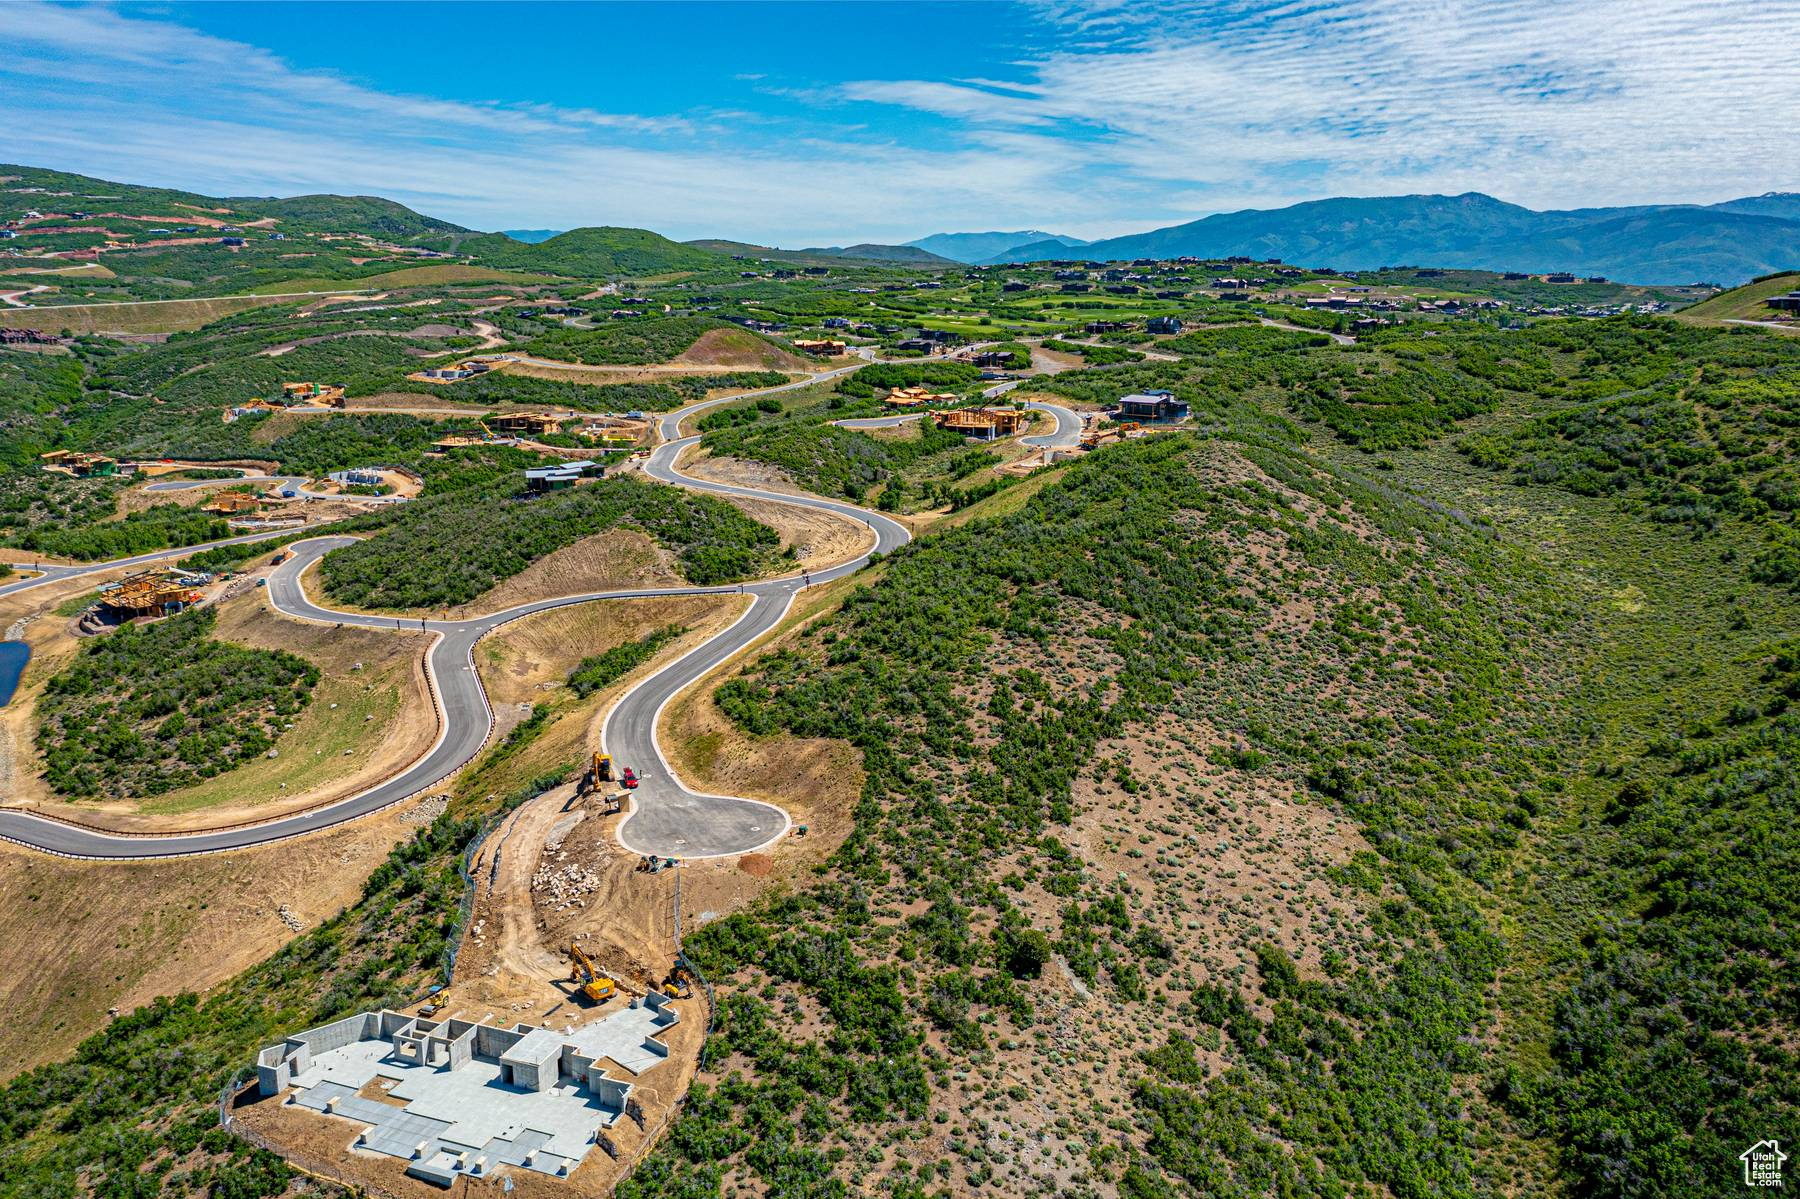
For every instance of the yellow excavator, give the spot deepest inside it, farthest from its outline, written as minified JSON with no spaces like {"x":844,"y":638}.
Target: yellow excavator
{"x":595,"y":985}
{"x":599,"y":773}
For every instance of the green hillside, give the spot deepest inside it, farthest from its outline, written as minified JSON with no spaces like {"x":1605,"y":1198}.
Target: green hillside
{"x":588,"y":253}
{"x":327,"y":213}
{"x":1746,"y":303}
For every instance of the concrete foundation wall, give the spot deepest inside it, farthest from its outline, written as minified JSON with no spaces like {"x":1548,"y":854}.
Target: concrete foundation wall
{"x":462,"y":1049}
{"x":277,"y":1064}
{"x":610,"y":1094}
{"x":574,"y":1065}
{"x":492,"y":1041}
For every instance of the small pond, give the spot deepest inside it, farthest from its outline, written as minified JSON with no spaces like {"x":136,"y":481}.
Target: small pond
{"x":13,"y":656}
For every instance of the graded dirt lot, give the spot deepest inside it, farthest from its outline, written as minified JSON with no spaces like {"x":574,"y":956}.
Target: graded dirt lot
{"x":740,"y":472}
{"x":78,"y":938}
{"x":817,"y":537}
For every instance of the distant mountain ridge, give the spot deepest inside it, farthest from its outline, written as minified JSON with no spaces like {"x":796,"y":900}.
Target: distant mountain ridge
{"x":977,"y":247}
{"x":867,"y":252}
{"x":1724,"y":243}
{"x":911,"y":255}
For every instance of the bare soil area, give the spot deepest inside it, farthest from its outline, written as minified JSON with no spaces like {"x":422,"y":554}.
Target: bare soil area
{"x":818,"y":538}
{"x":739,"y":472}
{"x":79,"y":938}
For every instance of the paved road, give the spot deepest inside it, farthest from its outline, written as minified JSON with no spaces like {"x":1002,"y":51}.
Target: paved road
{"x":297,"y":482}
{"x":667,"y":817}
{"x":1343,"y":339}
{"x":1066,"y":435}
{"x":877,"y":422}
{"x":55,"y":573}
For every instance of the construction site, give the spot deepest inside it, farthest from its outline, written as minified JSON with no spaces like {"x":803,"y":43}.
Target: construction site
{"x":467,"y":369}
{"x":917,"y":397}
{"x":80,"y":465}
{"x":529,"y":1059}
{"x":150,"y":593}
{"x":234,"y":504}
{"x":984,"y":424}
{"x":312,"y":395}
{"x":456,"y":1098}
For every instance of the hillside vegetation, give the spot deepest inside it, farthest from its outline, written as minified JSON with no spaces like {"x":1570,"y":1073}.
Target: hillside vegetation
{"x":449,"y":549}
{"x":1746,"y":303}
{"x":153,"y":707}
{"x":631,"y":343}
{"x":589,"y":253}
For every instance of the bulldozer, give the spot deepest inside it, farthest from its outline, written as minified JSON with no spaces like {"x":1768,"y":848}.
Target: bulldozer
{"x":595,"y":985}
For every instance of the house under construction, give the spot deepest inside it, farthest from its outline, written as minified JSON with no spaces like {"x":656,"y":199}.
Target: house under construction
{"x":233,"y":503}
{"x":149,"y":593}
{"x":535,"y":423}
{"x":918,"y":397}
{"x":983,"y":424}
{"x":81,"y":465}
{"x":450,"y":374}
{"x":316,"y":395}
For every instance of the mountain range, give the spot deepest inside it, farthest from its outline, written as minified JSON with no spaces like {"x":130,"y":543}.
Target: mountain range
{"x":979,"y":247}
{"x":1725,"y":243}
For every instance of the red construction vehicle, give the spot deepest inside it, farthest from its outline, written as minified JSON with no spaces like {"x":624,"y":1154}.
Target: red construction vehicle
{"x":629,"y":779}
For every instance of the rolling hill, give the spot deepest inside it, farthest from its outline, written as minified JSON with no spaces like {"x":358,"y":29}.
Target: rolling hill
{"x":875,"y":252}
{"x":36,"y":188}
{"x":1746,"y":303}
{"x":1724,"y":243}
{"x":601,"y":250}
{"x":846,"y":256}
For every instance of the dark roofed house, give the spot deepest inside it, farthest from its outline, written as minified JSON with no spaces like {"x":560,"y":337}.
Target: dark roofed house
{"x":1788,"y":303}
{"x":1163,"y":324}
{"x":1152,"y":408}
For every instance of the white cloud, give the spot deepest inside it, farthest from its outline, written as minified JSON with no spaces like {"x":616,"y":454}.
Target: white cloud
{"x":1601,"y":102}
{"x":1132,"y":117}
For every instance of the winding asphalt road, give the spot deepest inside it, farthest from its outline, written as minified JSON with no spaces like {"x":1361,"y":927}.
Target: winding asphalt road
{"x":52,"y":574}
{"x":297,"y":482}
{"x":667,"y":818}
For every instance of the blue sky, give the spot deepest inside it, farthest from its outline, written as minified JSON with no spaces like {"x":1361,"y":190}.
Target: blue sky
{"x":832,"y":123}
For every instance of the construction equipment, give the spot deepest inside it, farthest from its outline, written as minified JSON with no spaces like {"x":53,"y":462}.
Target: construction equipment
{"x":600,"y":770}
{"x":629,"y":779}
{"x":595,"y":985}
{"x":437,"y":1000}
{"x":680,"y":982}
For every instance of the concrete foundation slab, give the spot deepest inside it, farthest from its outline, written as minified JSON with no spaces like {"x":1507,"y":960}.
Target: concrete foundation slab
{"x":477,"y":1097}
